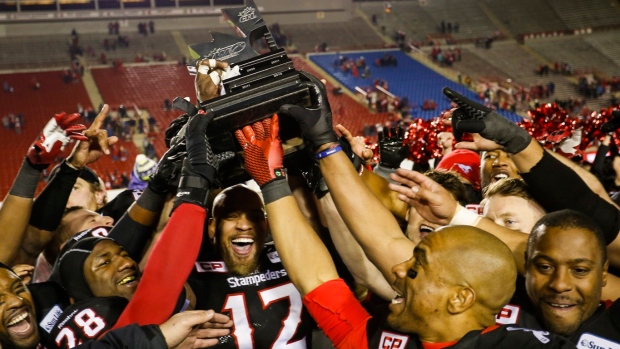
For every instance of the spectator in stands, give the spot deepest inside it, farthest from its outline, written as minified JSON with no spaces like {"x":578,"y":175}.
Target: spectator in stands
{"x":143,"y":168}
{"x":7,"y":87}
{"x":123,"y":41}
{"x":36,"y":85}
{"x":152,"y":26}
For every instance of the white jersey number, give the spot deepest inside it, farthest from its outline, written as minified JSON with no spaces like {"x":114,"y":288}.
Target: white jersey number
{"x":243,"y":331}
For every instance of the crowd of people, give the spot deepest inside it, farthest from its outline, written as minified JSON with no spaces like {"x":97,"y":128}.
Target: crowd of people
{"x":503,"y":244}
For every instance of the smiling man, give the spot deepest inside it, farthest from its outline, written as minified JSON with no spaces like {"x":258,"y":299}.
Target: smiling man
{"x":19,"y":328}
{"x":241,"y":274}
{"x":496,"y":165}
{"x":566,"y":268}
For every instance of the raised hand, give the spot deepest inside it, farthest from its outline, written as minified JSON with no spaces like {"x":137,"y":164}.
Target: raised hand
{"x":263,"y":150}
{"x":200,"y":166}
{"x":167,"y":168}
{"x":432,"y":201}
{"x":97,"y":142}
{"x":315,"y":122}
{"x":358,"y":147}
{"x":199,"y":150}
{"x":55,"y":136}
{"x":208,"y":79}
{"x":477,"y":119}
{"x":391,"y":147}
{"x":613,"y":124}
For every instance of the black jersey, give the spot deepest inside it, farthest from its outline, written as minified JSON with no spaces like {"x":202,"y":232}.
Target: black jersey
{"x":511,"y":337}
{"x":381,"y":336}
{"x":601,"y":330}
{"x":50,"y":300}
{"x":496,"y":337}
{"x":265,"y":306}
{"x":86,"y":320}
{"x":119,"y":205}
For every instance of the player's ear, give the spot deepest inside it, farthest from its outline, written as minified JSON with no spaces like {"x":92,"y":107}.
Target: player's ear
{"x":461,"y":299}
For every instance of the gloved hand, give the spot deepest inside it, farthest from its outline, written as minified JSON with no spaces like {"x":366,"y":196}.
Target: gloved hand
{"x":476,"y":118}
{"x":200,"y":166}
{"x":173,"y":130}
{"x":167,"y":168}
{"x":263,"y":157}
{"x":314,"y":178}
{"x":262,"y":150}
{"x":613,"y":124}
{"x":199,"y":150}
{"x":391,"y":147}
{"x":54,"y":137}
{"x":315,"y":122}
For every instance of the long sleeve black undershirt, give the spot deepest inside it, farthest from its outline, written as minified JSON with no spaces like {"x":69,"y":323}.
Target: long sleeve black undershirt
{"x":556,"y":186}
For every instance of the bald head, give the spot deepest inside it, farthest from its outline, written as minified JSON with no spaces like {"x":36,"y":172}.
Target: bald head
{"x":480,"y":260}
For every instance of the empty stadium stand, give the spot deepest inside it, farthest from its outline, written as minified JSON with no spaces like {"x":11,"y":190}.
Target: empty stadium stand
{"x":410,"y":78}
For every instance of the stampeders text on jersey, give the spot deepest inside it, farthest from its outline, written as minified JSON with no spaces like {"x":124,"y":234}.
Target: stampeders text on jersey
{"x":255,"y":279}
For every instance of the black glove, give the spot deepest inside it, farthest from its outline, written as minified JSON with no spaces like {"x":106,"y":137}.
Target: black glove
{"x":199,"y":151}
{"x":200,"y":166}
{"x":476,"y":118}
{"x":315,"y":122}
{"x":311,"y":172}
{"x":613,"y":124}
{"x":391,"y":147}
{"x":167,"y":168}
{"x":174,"y":128}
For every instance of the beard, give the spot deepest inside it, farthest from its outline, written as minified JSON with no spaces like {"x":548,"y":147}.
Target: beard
{"x":240,"y":268}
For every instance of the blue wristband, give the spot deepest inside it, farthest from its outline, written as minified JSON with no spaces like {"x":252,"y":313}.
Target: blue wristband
{"x":328,"y":152}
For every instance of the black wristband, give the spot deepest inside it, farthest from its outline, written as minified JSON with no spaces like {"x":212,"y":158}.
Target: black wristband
{"x":275,"y":190}
{"x":49,"y":206}
{"x":151,"y":201}
{"x":26,"y":181}
{"x":193,"y":190}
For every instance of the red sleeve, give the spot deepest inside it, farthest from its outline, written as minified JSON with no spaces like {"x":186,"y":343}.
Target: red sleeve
{"x":339,"y":314}
{"x":167,"y":269}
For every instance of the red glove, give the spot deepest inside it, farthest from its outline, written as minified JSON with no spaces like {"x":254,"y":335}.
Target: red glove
{"x":263,"y":150}
{"x":55,"y":136}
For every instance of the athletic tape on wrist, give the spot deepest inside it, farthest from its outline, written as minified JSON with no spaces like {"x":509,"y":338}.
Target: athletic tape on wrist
{"x":203,"y":69}
{"x":463,"y":216}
